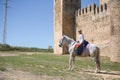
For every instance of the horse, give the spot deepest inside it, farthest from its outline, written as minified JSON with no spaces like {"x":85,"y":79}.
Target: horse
{"x":93,"y":51}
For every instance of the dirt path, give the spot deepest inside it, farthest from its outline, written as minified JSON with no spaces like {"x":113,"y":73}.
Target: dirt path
{"x":18,"y":53}
{"x":20,"y":75}
{"x":7,"y":54}
{"x":113,"y":75}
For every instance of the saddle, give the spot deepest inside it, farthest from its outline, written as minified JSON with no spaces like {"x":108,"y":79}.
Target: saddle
{"x":80,"y":47}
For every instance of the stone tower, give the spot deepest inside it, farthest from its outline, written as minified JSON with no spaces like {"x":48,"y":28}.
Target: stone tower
{"x":64,"y":21}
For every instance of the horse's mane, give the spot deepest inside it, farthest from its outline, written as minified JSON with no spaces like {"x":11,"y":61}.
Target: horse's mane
{"x":68,"y":38}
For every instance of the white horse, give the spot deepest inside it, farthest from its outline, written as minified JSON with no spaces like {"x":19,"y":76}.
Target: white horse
{"x":92,"y":51}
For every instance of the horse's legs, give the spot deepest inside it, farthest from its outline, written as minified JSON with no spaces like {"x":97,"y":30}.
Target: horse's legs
{"x":71,"y":62}
{"x":97,"y":61}
{"x":97,"y":65}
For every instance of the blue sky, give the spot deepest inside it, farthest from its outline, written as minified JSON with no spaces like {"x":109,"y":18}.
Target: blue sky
{"x":30,"y":22}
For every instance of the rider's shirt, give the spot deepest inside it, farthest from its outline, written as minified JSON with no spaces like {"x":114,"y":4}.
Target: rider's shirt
{"x":81,"y":38}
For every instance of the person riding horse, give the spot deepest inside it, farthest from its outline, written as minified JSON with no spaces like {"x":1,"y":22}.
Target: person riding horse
{"x":90,"y":50}
{"x":81,"y":43}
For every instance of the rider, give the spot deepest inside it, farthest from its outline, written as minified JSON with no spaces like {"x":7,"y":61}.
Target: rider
{"x":79,"y":46}
{"x":81,"y":37}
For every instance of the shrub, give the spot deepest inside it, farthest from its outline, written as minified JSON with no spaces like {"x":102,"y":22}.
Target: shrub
{"x":5,"y":47}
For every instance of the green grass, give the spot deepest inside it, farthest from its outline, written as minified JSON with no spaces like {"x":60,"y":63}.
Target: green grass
{"x":3,"y":69}
{"x":49,"y":64}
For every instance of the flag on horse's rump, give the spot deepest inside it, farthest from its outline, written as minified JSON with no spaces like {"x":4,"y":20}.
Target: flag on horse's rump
{"x":80,"y":47}
{"x":77,"y":45}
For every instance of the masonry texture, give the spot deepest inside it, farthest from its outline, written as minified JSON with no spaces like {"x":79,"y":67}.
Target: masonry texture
{"x":100,"y":25}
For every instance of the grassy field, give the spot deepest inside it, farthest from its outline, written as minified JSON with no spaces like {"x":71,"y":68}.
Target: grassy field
{"x":41,"y":63}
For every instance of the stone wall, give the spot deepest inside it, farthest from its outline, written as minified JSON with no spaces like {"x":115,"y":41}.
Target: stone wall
{"x":58,"y":25}
{"x":101,"y":26}
{"x":95,"y":24}
{"x":114,"y":6}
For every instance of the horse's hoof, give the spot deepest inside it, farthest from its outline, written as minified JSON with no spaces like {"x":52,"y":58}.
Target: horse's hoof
{"x":97,"y":71}
{"x":72,"y":69}
{"x":69,"y":69}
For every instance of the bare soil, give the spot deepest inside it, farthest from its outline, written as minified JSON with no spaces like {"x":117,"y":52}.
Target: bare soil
{"x":21,"y":75}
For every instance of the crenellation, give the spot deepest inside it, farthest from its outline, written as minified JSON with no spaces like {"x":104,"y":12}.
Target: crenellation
{"x":89,"y":8}
{"x":79,"y":12}
{"x":86,"y":10}
{"x":105,"y":6}
{"x":97,"y":10}
{"x":101,"y":8}
{"x":93,"y":9}
{"x":82,"y":11}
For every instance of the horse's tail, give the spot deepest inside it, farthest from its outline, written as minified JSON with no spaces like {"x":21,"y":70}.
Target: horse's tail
{"x":98,"y":53}
{"x":98,"y":56}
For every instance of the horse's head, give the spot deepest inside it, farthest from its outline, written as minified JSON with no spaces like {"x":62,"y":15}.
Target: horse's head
{"x":62,"y":41}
